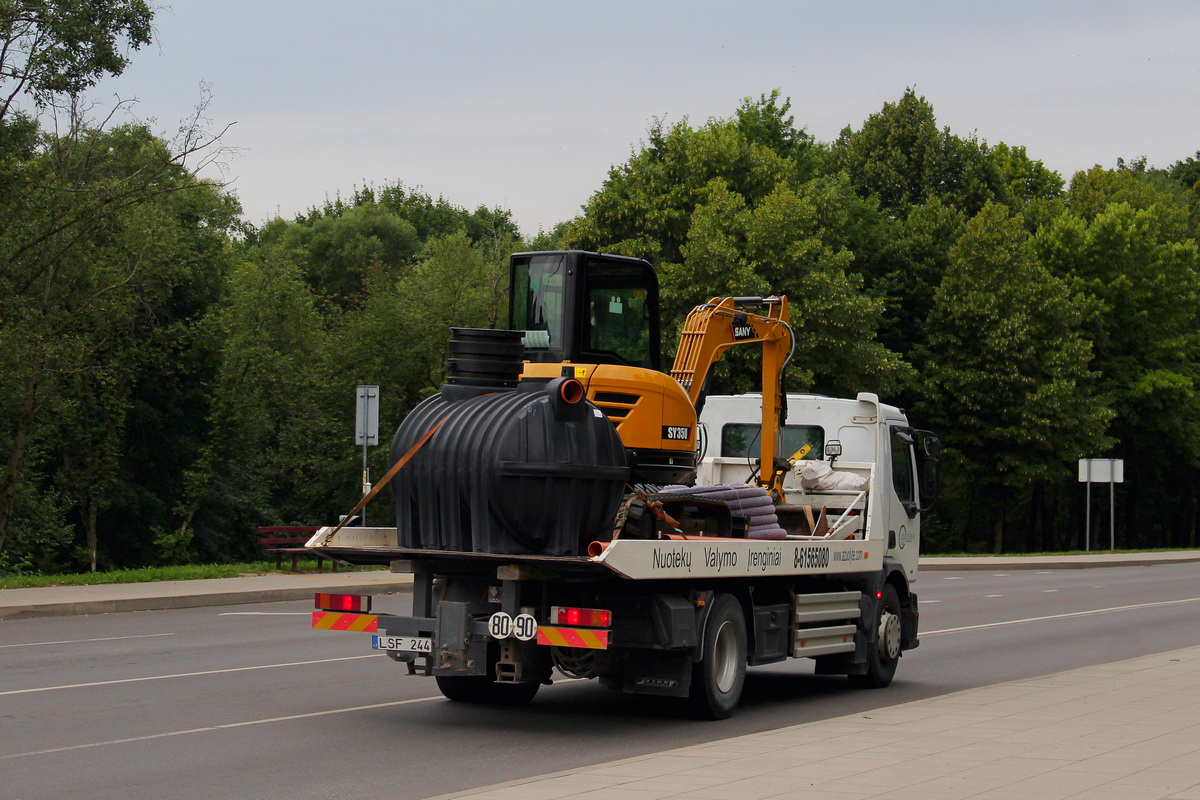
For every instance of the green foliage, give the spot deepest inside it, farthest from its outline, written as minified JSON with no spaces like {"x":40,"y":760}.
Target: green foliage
{"x":766,"y":123}
{"x":170,"y":379}
{"x":1005,"y":373}
{"x":901,"y":157}
{"x":913,"y":261}
{"x":337,"y":251}
{"x":55,"y":49}
{"x":1142,"y":287}
{"x":645,"y":207}
{"x":728,"y":209}
{"x":39,"y":537}
{"x":1187,"y":172}
{"x":293,"y":353}
{"x":439,"y":217}
{"x":111,"y":251}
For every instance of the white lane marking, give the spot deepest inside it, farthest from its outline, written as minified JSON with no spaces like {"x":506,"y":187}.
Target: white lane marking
{"x":1000,"y":575}
{"x":1048,"y":591}
{"x":226,"y":726}
{"x":186,"y":674}
{"x":952,"y":578}
{"x":925,"y":602}
{"x":1061,"y":616}
{"x":993,"y":595}
{"x":83,"y":641}
{"x":265,"y":614}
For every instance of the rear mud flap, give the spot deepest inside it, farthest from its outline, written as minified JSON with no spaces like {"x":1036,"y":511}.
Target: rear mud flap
{"x":658,"y":673}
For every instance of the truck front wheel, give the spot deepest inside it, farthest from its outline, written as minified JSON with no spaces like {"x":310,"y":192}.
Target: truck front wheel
{"x":885,"y":655}
{"x":718,"y":678}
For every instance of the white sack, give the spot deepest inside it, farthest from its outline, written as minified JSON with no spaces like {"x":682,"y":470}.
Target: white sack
{"x":819,"y":476}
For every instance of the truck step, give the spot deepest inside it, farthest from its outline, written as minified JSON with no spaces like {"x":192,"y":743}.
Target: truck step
{"x":810,"y":638}
{"x":823,"y":641}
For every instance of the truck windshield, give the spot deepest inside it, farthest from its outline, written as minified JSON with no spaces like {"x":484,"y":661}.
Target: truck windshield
{"x":740,"y":440}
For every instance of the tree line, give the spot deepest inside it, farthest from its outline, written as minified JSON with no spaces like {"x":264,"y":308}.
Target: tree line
{"x":172,"y":377}
{"x":1030,"y":322}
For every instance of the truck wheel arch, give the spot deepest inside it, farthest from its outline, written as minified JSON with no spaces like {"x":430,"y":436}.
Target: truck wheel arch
{"x":702,"y":614}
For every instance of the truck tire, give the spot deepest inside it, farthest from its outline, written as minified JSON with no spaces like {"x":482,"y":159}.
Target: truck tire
{"x":718,"y":678}
{"x":484,"y":689}
{"x":885,"y":655}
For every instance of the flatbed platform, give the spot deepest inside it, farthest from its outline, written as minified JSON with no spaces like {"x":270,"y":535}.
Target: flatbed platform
{"x":634,"y":559}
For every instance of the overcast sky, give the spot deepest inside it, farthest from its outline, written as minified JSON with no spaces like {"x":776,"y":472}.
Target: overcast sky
{"x":526,"y":105}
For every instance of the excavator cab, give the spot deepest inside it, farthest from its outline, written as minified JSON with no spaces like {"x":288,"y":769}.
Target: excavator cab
{"x":586,"y":308}
{"x":595,"y":317}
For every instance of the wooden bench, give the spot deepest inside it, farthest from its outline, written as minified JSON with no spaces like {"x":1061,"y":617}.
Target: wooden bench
{"x":293,"y":545}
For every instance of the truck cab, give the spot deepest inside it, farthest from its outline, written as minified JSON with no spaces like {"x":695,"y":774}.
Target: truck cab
{"x":861,"y":437}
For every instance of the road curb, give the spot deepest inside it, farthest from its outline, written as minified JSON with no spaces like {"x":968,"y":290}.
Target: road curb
{"x":160,"y":603}
{"x":989,"y":563}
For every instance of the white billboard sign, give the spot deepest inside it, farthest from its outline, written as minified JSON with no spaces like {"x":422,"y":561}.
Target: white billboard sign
{"x":1101,"y":470}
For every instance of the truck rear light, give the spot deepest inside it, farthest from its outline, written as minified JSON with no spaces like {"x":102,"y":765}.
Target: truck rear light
{"x":586,"y":617}
{"x":357,"y":603}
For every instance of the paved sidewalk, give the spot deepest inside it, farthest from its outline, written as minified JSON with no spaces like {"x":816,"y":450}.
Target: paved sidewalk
{"x":1123,"y":731}
{"x":104,"y":598}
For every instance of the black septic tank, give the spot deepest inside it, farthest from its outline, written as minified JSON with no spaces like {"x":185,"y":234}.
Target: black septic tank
{"x":516,"y":468}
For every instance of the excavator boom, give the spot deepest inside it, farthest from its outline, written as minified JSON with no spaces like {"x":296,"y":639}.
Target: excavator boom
{"x":721,"y":323}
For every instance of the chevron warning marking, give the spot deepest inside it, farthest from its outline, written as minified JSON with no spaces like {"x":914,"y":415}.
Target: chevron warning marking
{"x":572,"y":637}
{"x":340,"y":621}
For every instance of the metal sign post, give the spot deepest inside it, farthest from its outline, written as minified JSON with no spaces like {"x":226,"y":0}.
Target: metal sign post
{"x":366,"y":431}
{"x":1102,"y":470}
{"x":1087,"y":531}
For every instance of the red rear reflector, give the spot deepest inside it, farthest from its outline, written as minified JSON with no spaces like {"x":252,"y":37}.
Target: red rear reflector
{"x":586,"y":617}
{"x":358,"y":603}
{"x":572,"y":637}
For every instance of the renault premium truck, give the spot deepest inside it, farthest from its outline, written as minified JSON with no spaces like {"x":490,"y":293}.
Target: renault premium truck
{"x":564,"y":508}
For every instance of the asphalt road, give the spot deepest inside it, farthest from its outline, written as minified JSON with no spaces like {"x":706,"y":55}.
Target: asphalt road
{"x":248,"y":702}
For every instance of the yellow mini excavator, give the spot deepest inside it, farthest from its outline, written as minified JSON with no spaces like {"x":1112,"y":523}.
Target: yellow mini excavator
{"x":595,"y":318}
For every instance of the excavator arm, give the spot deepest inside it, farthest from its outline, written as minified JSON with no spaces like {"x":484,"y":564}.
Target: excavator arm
{"x":721,"y":323}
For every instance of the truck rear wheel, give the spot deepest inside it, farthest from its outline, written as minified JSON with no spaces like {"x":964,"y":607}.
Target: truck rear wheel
{"x":718,"y":678}
{"x":885,"y":655}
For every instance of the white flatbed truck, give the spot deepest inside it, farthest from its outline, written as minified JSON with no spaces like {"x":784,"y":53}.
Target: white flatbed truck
{"x":681,"y":609}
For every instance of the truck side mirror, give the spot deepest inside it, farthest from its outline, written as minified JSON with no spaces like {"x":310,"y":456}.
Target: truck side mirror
{"x":932,"y":445}
{"x":931,"y":483}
